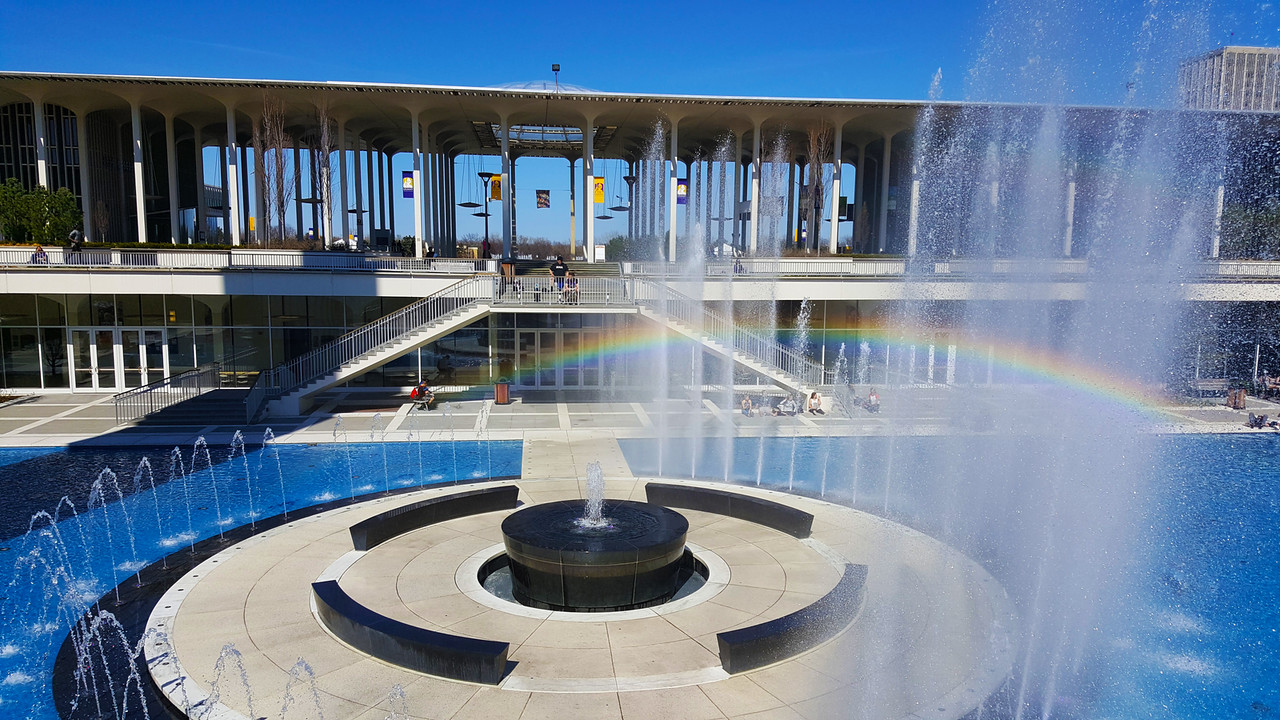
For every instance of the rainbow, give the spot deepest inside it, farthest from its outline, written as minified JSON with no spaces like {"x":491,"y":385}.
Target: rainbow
{"x":999,"y":356}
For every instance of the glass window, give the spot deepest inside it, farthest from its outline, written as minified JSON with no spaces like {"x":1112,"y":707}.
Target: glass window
{"x":288,"y":311}
{"x":79,"y":310}
{"x":129,"y":310}
{"x":177,"y":310}
{"x":53,"y":356}
{"x":17,"y":310}
{"x":325,"y":312}
{"x":151,"y":310}
{"x":52,"y":309}
{"x":249,"y":310}
{"x":213,"y":345}
{"x":20,"y":357}
{"x":102,"y":310}
{"x":211,"y":309}
{"x":362,"y":310}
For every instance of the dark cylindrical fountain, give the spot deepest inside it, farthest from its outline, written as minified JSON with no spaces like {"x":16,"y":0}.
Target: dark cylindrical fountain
{"x":630,"y":558}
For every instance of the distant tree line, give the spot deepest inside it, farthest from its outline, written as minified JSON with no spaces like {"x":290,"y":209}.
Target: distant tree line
{"x":37,"y":215}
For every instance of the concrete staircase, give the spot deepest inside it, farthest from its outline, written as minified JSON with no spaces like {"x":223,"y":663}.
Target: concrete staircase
{"x":292,"y":403}
{"x":216,"y":407}
{"x":285,"y":390}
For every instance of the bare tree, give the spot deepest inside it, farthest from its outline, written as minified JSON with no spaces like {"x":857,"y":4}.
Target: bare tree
{"x":276,"y":175}
{"x":324,"y":162}
{"x":821,"y":139}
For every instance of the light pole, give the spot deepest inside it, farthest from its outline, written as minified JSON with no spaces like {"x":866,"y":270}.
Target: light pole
{"x":486,"y":177}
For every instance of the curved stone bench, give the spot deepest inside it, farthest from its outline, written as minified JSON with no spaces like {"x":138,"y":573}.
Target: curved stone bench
{"x":784,"y":518}
{"x":764,"y":644}
{"x":427,"y":651}
{"x":374,"y":531}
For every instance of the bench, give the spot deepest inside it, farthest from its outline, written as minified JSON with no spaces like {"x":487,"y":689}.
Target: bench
{"x":451,"y":656}
{"x":794,"y":522}
{"x":764,"y":644}
{"x":374,"y":531}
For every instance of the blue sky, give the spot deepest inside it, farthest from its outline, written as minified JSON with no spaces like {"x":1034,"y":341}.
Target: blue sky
{"x":1075,"y":51}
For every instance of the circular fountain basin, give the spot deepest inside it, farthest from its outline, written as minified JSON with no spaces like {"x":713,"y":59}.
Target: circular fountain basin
{"x":631,"y":560}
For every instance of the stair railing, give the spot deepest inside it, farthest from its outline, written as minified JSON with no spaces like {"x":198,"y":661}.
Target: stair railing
{"x":327,"y":358}
{"x":717,"y":327}
{"x":156,"y":396}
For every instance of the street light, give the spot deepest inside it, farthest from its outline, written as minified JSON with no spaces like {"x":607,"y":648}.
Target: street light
{"x":486,"y":177}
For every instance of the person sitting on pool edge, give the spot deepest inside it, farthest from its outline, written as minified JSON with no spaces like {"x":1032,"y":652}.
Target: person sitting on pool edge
{"x":422,"y":396}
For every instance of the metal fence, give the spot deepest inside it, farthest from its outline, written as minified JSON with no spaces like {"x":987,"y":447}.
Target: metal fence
{"x":59,"y":257}
{"x":154,"y":397}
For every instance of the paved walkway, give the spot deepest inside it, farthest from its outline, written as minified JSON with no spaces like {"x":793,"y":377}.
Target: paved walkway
{"x":89,"y":419}
{"x":932,"y":639}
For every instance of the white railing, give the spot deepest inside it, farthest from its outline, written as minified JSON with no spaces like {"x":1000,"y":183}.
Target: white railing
{"x":544,"y":290}
{"x":127,"y":258}
{"x":325,"y":359}
{"x":719,"y":328}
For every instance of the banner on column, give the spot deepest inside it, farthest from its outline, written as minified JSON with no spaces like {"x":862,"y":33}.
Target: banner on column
{"x":495,"y":188}
{"x":544,"y":199}
{"x":598,"y":193}
{"x":682,"y":191}
{"x":406,"y":182}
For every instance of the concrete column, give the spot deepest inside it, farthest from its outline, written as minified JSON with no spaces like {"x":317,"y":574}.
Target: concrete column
{"x":505,"y":130}
{"x":139,"y":189}
{"x":754,"y":238}
{"x":418,"y":193}
{"x":391,"y":198}
{"x":359,"y":192}
{"x":246,"y":207}
{"x":1216,"y":248}
{"x":42,"y":142}
{"x":297,"y":189}
{"x":883,"y":233}
{"x":859,"y":174}
{"x":171,"y":167}
{"x":589,"y":190}
{"x":262,"y":233}
{"x":224,"y":159}
{"x":836,"y":171}
{"x":342,"y":182}
{"x":382,"y":190}
{"x":573,"y":220}
{"x":737,"y":190}
{"x":86,"y":201}
{"x":671,"y":191}
{"x":1069,"y":234}
{"x":913,"y":217}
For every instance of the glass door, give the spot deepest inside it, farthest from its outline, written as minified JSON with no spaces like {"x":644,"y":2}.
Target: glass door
{"x":93,"y":359}
{"x":547,"y":365}
{"x":527,"y":359}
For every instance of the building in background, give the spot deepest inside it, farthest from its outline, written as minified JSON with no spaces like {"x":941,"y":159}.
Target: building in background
{"x":1232,"y":78}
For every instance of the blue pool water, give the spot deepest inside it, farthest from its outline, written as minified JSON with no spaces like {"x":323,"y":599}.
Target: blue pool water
{"x":51,"y":575}
{"x":1186,"y":628}
{"x":1186,"y":625}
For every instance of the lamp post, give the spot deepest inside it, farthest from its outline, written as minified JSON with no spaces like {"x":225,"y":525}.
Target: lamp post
{"x":486,"y":177}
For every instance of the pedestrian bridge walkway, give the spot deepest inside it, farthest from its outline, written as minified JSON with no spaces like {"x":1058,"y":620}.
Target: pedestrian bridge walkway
{"x":287,"y":389}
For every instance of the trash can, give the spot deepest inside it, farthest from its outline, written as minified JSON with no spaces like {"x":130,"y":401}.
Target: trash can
{"x":502,"y":392}
{"x":1235,"y":398}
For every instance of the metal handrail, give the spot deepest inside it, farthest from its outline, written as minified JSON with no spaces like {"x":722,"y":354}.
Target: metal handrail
{"x":317,"y":363}
{"x":156,"y":396}
{"x":719,"y":328}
